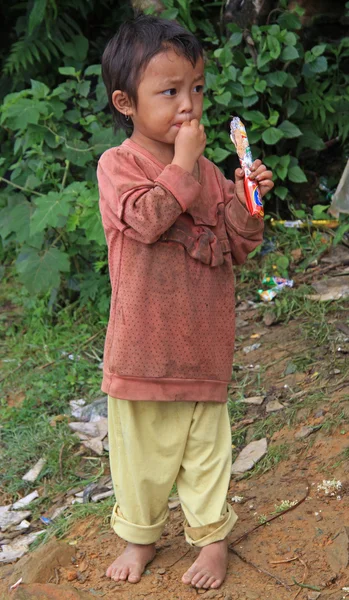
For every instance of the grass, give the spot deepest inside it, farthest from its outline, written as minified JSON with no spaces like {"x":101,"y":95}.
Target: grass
{"x":38,"y":380}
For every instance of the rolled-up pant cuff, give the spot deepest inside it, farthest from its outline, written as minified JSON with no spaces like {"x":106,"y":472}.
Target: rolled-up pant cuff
{"x":136,"y":534}
{"x":207,"y":534}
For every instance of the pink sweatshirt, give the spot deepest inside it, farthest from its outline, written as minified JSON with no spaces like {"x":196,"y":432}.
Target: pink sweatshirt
{"x":172,"y":242}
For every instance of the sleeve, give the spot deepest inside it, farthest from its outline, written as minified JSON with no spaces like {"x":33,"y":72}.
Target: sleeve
{"x":245,"y":232}
{"x":137,"y":206}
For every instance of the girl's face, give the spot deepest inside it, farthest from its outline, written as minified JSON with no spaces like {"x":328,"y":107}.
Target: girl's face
{"x":170,"y":92}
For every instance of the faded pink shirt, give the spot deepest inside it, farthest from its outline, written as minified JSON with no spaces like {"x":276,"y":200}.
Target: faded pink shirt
{"x":172,"y":242}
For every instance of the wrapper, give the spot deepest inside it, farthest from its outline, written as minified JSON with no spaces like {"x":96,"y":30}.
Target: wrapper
{"x":239,"y":138}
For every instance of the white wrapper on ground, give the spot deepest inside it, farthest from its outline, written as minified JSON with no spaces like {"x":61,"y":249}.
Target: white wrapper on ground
{"x":340,"y":199}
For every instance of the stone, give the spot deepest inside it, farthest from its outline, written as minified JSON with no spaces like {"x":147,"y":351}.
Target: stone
{"x":76,"y":406}
{"x":11,"y":518}
{"x":269,"y":318}
{"x":274,"y":406}
{"x":257,"y":400}
{"x":11,"y":552}
{"x":25,"y":501}
{"x":90,"y":429}
{"x":94,"y":444}
{"x":98,"y":408}
{"x":249,"y":456}
{"x":102,"y":424}
{"x":34,"y":473}
{"x":314,"y":595}
{"x":338,"y":552}
{"x":161,"y":571}
{"x":49,"y":591}
{"x":304,"y":432}
{"x":102,"y":496}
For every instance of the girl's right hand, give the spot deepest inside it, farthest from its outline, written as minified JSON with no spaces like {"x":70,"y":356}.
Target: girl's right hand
{"x":189,"y":145}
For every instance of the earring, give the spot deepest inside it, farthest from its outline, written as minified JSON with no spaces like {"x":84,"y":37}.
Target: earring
{"x":127,"y":117}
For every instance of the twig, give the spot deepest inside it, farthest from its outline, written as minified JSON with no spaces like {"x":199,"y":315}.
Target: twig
{"x":60,"y":461}
{"x":321,"y":271}
{"x":14,"y":370}
{"x":242,"y":537}
{"x":304,"y":576}
{"x":19,"y":187}
{"x":178,"y":559}
{"x":307,"y":586}
{"x":261,"y":570}
{"x":286,"y":560}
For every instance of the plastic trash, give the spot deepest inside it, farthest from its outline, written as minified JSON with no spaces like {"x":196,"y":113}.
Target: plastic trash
{"x":340,"y":199}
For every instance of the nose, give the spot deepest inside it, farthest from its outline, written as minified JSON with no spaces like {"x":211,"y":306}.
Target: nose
{"x":186,"y":103}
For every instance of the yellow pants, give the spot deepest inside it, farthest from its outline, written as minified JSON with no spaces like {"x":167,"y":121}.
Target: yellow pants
{"x":154,"y":444}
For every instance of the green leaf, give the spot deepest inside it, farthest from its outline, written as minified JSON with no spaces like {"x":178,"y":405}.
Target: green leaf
{"x":235,"y":39}
{"x":274,"y":46}
{"x":289,"y":20}
{"x":24,"y":111}
{"x":250,"y":100}
{"x":272,"y":136}
{"x":40,"y":272}
{"x":277,"y":78}
{"x":289,"y":53}
{"x":223,"y":99}
{"x":319,"y":211}
{"x":255,"y":116}
{"x":290,"y":130}
{"x":48,"y":210}
{"x":271,"y":160}
{"x":281,"y":192}
{"x":93,"y":70}
{"x":37,"y":14}
{"x":219,"y":154}
{"x":319,"y":65}
{"x":68,"y":71}
{"x":260,"y":86}
{"x":40,"y":90}
{"x":170,"y":13}
{"x":91,"y":222}
{"x":291,"y":107}
{"x":78,"y":152}
{"x":296,"y":175}
{"x":318,"y":50}
{"x":290,"y":39}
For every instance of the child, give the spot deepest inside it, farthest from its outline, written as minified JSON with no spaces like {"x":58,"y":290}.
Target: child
{"x":174,"y":227}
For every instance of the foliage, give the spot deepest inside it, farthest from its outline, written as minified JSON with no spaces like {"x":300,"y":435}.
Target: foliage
{"x":50,"y":205}
{"x":293,"y":99}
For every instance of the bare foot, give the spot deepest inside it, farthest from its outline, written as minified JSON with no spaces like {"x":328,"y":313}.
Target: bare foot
{"x":131,"y":563}
{"x":210,"y":568}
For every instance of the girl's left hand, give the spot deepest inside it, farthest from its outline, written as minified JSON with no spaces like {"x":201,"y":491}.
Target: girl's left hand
{"x":260,"y":174}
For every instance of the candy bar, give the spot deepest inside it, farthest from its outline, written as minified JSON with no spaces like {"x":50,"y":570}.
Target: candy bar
{"x":239,"y":138}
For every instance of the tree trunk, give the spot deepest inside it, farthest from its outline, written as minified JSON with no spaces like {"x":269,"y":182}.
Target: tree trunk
{"x":141,"y":5}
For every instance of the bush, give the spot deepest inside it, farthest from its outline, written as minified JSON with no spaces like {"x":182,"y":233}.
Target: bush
{"x":294,"y":101}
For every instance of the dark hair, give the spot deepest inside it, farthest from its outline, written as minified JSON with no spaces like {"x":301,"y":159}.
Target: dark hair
{"x":128,"y":53}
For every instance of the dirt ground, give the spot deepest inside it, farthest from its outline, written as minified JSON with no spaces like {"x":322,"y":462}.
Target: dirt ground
{"x":308,"y":544}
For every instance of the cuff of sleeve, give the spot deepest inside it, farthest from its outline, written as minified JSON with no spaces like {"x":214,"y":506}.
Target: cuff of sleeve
{"x":182,"y":185}
{"x":240,"y":218}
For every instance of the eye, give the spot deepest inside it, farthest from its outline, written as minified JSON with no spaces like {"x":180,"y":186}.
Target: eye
{"x":170,"y":92}
{"x":198,"y":89}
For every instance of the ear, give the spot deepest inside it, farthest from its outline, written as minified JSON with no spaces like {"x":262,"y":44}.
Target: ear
{"x":122,"y":103}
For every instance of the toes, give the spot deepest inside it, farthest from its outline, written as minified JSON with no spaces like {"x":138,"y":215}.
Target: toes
{"x":209,"y":583}
{"x":216,"y":583}
{"x":187,"y":577}
{"x":123,"y":573}
{"x":134,"y":577}
{"x":202,"y":581}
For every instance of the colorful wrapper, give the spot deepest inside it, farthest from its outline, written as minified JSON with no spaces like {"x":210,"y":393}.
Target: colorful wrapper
{"x":239,"y":138}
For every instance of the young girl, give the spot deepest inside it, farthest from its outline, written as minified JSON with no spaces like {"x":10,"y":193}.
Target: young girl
{"x":174,"y":227}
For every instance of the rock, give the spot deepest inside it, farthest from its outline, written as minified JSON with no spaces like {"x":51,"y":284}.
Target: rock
{"x":11,"y":518}
{"x":319,"y":413}
{"x":318,"y":518}
{"x":161,"y":571}
{"x":332,"y":288}
{"x":257,"y":400}
{"x":25,"y":501}
{"x":174,"y":504}
{"x":274,"y":406}
{"x":98,"y":408}
{"x":269,"y":318}
{"x":212,"y":594}
{"x":76,"y":406}
{"x":102,"y":496}
{"x":39,"y":566}
{"x":305,"y":432}
{"x":239,"y":323}
{"x":94,"y":444}
{"x":90,"y":429}
{"x":71,"y":575}
{"x":314,"y":595}
{"x":34,"y":473}
{"x":252,"y":595}
{"x":338,"y":552}
{"x":249,"y":456}
{"x":11,"y":552}
{"x":49,"y":591}
{"x":102,"y":424}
